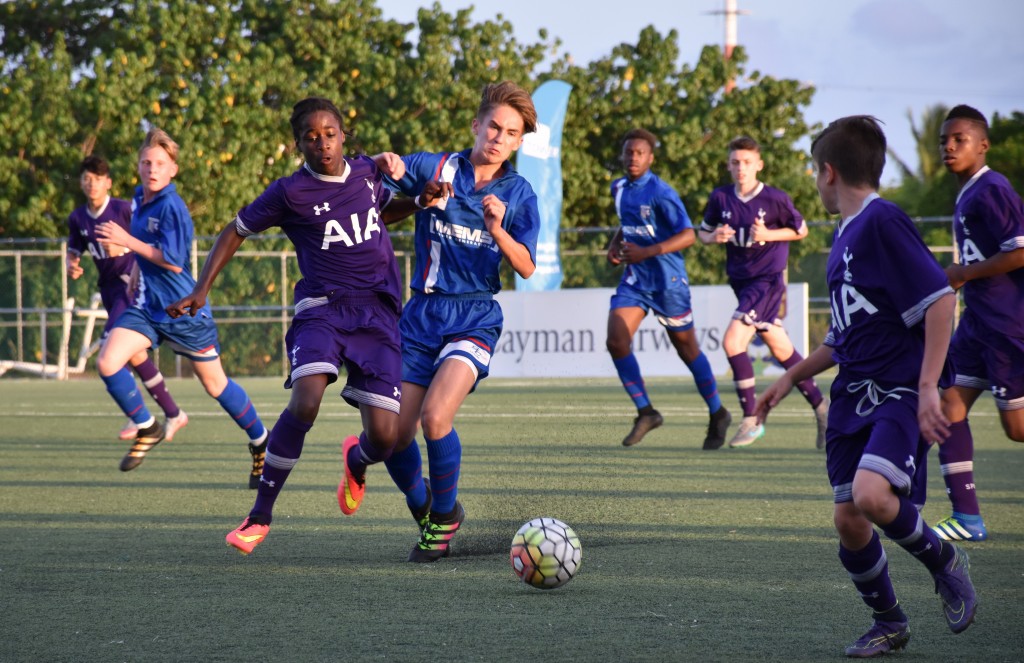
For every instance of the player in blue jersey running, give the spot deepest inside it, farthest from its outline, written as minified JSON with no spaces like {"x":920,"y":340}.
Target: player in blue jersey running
{"x":756,"y":223}
{"x":654,"y":229}
{"x":161,"y":238}
{"x":987,"y":351}
{"x":892,"y":312}
{"x":346,"y":304}
{"x":114,"y":264}
{"x":479,"y":212}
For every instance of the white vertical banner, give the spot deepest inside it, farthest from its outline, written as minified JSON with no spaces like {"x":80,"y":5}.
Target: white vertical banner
{"x":540,"y":162}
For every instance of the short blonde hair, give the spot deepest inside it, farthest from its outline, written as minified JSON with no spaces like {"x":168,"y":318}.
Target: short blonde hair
{"x":507,"y":93}
{"x":156,"y":137}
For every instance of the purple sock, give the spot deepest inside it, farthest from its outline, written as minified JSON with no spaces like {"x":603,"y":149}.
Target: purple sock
{"x":284,"y":446}
{"x":910,"y":531}
{"x":956,"y":456}
{"x":808,"y":387}
{"x":153,"y":380}
{"x":364,"y":454}
{"x":869,"y":571}
{"x":743,"y":377}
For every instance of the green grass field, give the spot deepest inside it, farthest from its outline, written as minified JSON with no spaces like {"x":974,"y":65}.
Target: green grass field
{"x":687,"y":555}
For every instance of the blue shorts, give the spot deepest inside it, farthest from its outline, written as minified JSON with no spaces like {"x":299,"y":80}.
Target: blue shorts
{"x":982,"y":359}
{"x":875,"y":428}
{"x":359,"y":331}
{"x":760,"y":300}
{"x":671,"y":306}
{"x":195,"y":338}
{"x":437,"y":327}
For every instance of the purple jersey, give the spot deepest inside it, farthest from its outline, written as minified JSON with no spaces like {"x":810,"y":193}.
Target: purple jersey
{"x":82,"y":239}
{"x":746,"y":259}
{"x":989,"y":218}
{"x":881,"y":281}
{"x":335,"y":225}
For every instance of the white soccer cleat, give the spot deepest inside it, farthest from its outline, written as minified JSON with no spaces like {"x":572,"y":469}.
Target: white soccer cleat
{"x":173,"y":424}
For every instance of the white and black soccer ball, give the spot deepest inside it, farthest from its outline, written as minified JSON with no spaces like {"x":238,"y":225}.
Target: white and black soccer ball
{"x":545,"y":553}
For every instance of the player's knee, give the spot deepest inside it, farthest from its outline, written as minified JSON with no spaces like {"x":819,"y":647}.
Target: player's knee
{"x":304,"y":410}
{"x":617,"y":347}
{"x":1014,"y":430}
{"x":874,"y":505}
{"x":435,"y":424}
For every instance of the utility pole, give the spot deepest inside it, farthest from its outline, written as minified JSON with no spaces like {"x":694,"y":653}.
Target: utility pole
{"x":730,"y":12}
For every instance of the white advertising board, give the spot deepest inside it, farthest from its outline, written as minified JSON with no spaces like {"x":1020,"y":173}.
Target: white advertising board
{"x":562,"y":333}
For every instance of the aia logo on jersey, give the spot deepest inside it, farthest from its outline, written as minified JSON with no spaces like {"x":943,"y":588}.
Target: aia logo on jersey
{"x":847,"y":300}
{"x":358,"y":230}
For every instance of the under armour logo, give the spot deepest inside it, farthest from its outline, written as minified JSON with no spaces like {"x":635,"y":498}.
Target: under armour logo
{"x":910,"y":464}
{"x":263,"y":479}
{"x":326,"y":208}
{"x":726,"y":214}
{"x":398,"y":393}
{"x":999,"y":392}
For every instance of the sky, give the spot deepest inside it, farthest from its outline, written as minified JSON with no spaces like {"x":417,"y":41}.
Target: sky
{"x":885,"y":58}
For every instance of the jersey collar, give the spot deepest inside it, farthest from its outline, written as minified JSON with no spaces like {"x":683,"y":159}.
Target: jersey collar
{"x":330,"y":178}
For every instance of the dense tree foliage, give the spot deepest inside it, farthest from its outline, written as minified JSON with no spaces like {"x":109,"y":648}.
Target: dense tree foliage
{"x":221,"y":76}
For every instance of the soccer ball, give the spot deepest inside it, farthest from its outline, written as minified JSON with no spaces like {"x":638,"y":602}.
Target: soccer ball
{"x":545,"y":553}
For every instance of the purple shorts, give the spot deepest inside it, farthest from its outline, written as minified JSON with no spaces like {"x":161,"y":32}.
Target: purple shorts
{"x":115,"y":300}
{"x":875,"y":427}
{"x":982,"y":359}
{"x":760,"y":300}
{"x":358,"y":331}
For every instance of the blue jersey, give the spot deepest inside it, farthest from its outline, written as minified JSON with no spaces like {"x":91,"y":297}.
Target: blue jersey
{"x":881,"y":281}
{"x":82,"y":239}
{"x":165,"y":223}
{"x":650,"y":211}
{"x":454,"y":252}
{"x":744,"y":258}
{"x":334,"y":222}
{"x":989,"y":219}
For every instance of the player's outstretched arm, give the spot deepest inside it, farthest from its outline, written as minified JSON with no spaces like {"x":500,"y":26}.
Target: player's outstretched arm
{"x":111,"y":233}
{"x":518,"y":256}
{"x":390,"y":164}
{"x":938,"y":325}
{"x":433,"y":195}
{"x":814,"y":363}
{"x":224,"y":248}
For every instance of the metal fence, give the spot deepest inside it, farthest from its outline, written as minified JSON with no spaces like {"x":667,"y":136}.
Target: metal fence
{"x":52,"y":332}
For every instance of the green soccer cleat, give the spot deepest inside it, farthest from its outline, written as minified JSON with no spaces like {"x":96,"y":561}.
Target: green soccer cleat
{"x":436,"y":537}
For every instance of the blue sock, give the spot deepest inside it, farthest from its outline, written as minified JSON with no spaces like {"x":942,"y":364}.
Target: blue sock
{"x":445,"y":456}
{"x":406,"y":470}
{"x":236,"y":402}
{"x":284,"y":446}
{"x":629,"y":373}
{"x":121,"y":386}
{"x":704,"y":377}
